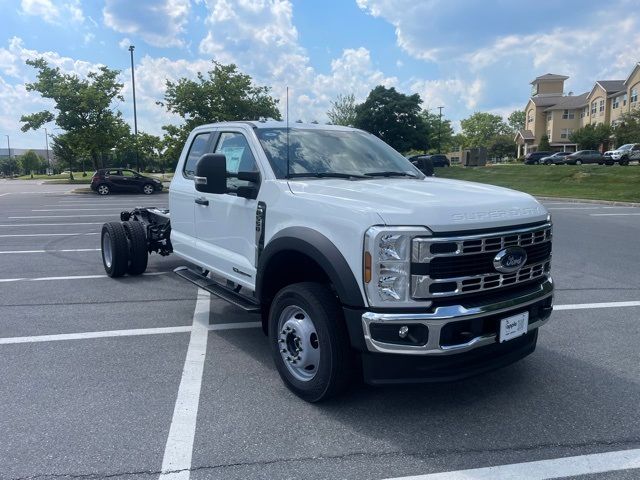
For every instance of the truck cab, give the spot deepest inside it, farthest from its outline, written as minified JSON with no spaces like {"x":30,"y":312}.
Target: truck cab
{"x":359,"y":265}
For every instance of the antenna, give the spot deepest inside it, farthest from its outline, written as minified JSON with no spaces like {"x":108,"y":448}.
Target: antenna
{"x":287,"y":131}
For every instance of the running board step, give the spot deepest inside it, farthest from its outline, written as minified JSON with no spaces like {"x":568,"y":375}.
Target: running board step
{"x":245,"y":302}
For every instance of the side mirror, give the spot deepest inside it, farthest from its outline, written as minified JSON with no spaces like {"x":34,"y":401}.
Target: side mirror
{"x":211,"y":173}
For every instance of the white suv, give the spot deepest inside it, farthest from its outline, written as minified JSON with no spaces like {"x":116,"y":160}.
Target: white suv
{"x":626,"y":153}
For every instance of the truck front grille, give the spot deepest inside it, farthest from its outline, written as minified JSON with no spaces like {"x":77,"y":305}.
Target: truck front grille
{"x":449,"y":266}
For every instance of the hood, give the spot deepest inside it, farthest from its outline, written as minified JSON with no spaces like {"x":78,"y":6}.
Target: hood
{"x":442,"y":205}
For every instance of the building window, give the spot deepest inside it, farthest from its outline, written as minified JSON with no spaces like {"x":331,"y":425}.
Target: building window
{"x":624,"y":100}
{"x":616,"y":102}
{"x":584,"y":112}
{"x":594,"y":107}
{"x":565,"y":132}
{"x":601,"y":107}
{"x":549,"y":134}
{"x":530,"y":117}
{"x":634,"y":95}
{"x":549,"y":116}
{"x":568,"y":115}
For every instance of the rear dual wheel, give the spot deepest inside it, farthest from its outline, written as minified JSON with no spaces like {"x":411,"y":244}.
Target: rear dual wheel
{"x":124,"y":248}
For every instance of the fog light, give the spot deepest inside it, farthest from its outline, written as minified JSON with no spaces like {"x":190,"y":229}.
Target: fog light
{"x":404,"y":330}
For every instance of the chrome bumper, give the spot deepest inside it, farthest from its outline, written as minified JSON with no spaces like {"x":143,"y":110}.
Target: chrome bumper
{"x":442,"y":316}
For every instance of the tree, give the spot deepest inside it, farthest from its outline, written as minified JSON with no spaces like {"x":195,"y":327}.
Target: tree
{"x":627,"y":130}
{"x":66,"y":150}
{"x":8,"y":165}
{"x":343,"y":110}
{"x":83,"y":106}
{"x":590,"y":137}
{"x":29,"y":162}
{"x":544,"y":146}
{"x":393,"y":117}
{"x":481,"y":128}
{"x":517,"y":120}
{"x":502,"y":146}
{"x":439,"y":132}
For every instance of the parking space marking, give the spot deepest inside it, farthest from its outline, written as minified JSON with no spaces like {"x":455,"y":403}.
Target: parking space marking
{"x":47,"y":224}
{"x":68,"y":216}
{"x":50,"y":251}
{"x":612,"y":214}
{"x":132,"y":332}
{"x":48,"y":234}
{"x":73,"y":277}
{"x":176,"y":463}
{"x":544,"y":469}
{"x":576,"y":208}
{"x":584,"y":306}
{"x":106,"y":207}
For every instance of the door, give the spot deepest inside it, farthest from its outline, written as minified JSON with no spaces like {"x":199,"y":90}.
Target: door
{"x":182,"y":193}
{"x":225,"y":227}
{"x":116,"y":180}
{"x":131,"y":181}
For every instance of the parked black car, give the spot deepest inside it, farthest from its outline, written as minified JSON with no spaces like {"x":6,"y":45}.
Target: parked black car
{"x":585,"y":156}
{"x":437,"y":160}
{"x":557,"y":158}
{"x":107,"y":180}
{"x":534,"y":158}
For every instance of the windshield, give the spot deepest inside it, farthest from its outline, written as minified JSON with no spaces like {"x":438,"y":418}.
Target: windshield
{"x":317,"y":152}
{"x":626,"y":147}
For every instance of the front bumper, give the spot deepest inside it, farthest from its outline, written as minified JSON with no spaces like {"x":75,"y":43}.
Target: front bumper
{"x":462,"y":339}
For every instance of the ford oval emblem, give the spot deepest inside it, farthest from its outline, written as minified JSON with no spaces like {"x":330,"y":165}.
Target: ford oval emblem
{"x":510,"y":259}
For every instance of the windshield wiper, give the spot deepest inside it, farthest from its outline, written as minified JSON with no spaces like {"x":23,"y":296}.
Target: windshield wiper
{"x":324,"y":175}
{"x":391,"y":174}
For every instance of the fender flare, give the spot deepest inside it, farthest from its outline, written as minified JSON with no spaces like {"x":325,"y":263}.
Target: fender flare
{"x":319,"y":248}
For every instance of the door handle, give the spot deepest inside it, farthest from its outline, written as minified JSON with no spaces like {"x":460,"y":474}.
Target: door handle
{"x":202,"y":201}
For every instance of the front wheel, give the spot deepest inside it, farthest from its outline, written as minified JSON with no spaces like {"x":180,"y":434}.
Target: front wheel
{"x":103,"y":189}
{"x":535,"y":162}
{"x":148,"y":189}
{"x":578,"y":162}
{"x":309,"y":341}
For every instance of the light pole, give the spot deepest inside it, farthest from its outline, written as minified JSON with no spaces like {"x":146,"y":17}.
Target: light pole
{"x":135,"y":114}
{"x":440,"y":129}
{"x":46,"y":138}
{"x":9,"y":153}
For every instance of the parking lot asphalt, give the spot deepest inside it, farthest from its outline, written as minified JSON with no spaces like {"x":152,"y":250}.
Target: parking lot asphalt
{"x":94,"y":376}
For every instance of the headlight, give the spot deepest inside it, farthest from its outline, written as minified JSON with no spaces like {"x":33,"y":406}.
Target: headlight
{"x":387,"y":264}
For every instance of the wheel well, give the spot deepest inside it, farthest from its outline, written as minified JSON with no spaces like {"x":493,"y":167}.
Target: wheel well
{"x":285,"y":268}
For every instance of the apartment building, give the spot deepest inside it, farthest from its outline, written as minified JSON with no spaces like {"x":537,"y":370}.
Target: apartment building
{"x":551,"y":112}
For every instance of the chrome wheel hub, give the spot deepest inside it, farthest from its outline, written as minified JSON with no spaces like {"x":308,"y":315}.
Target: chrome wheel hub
{"x":102,"y":190}
{"x":298,"y":343}
{"x":106,"y":249}
{"x":148,"y":189}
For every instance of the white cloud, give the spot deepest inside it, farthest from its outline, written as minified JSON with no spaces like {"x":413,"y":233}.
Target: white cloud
{"x":159,"y":23}
{"x":53,"y":12}
{"x":124,"y":43}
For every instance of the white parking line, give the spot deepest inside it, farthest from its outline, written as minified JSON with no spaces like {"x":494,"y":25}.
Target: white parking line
{"x":73,"y":277}
{"x":106,"y":207}
{"x":47,"y":224}
{"x":613,"y":214}
{"x":176,"y":463}
{"x":574,"y":208}
{"x":50,"y":251}
{"x":544,"y":469}
{"x":584,"y":306}
{"x":48,"y":234}
{"x":69,"y":216}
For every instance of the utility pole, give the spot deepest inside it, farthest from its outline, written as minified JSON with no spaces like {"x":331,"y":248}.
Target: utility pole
{"x":440,"y":129}
{"x":9,"y":153}
{"x":46,"y":138}
{"x":135,"y":114}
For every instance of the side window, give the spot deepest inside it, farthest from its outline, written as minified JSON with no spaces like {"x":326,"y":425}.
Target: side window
{"x":113,"y":172}
{"x":128,"y":174}
{"x":236,"y":149}
{"x":196,"y":150}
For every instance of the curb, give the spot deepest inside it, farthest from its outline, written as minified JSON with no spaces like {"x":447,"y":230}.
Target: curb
{"x":584,"y":200}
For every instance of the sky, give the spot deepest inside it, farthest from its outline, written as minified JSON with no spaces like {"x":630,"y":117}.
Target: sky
{"x":464,"y":55}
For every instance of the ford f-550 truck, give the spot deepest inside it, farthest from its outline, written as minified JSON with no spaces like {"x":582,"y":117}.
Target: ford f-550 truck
{"x":359,"y":265}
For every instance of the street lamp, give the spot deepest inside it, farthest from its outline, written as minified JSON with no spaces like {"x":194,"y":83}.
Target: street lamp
{"x":9,"y":153}
{"x":440,"y":129}
{"x":46,"y":138}
{"x":135,"y":114}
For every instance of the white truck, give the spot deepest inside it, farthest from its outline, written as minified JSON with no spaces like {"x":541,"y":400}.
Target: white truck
{"x":360,"y":266}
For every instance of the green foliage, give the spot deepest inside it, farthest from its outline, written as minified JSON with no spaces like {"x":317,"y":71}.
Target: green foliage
{"x":439,"y":132}
{"x":516,"y":120}
{"x":544,"y":146}
{"x":393,"y":117}
{"x":628,"y":128}
{"x":343,"y":110}
{"x":9,"y":165}
{"x":83,"y":106}
{"x":30,"y":162}
{"x":502,"y":146}
{"x":481,"y":128}
{"x":590,"y":137}
{"x":66,"y":148}
{"x":223,"y":94}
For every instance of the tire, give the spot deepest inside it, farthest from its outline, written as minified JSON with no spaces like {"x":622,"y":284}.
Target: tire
{"x":148,"y":189}
{"x":115,"y":249}
{"x":103,"y":189}
{"x":624,"y":161}
{"x":578,"y":162}
{"x":308,"y":316}
{"x":138,"y":253}
{"x":535,"y":162}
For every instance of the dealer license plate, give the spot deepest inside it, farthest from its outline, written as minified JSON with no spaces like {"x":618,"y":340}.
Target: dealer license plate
{"x":513,"y":327}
